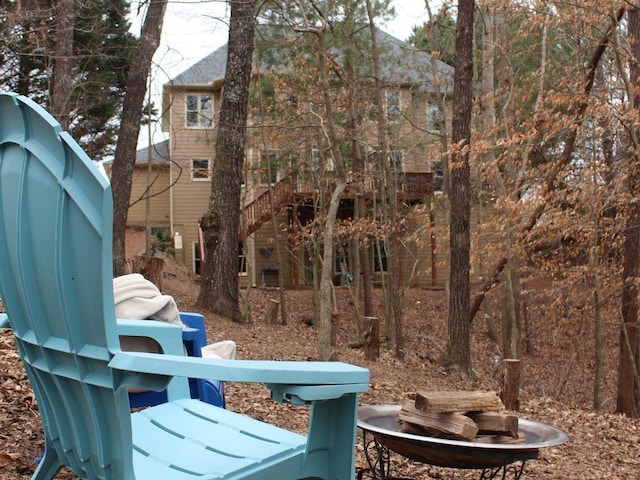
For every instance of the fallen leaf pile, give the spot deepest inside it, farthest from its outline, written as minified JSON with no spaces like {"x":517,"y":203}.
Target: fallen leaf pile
{"x":557,"y":389}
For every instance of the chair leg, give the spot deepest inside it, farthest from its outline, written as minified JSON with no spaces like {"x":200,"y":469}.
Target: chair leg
{"x":48,"y":466}
{"x":332,"y":436}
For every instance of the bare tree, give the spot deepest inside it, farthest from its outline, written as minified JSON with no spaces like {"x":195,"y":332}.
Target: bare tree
{"x":62,"y":67}
{"x":458,"y":352}
{"x":326,"y":285}
{"x":220,"y":224}
{"x":123,"y":162}
{"x":392,"y":197}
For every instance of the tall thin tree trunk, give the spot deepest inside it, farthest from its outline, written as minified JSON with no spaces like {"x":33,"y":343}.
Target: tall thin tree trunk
{"x":393,"y":244}
{"x":458,"y":351}
{"x":326,"y":280}
{"x":628,"y":397}
{"x":440,"y":96}
{"x":62,"y":66}
{"x":274,"y":219}
{"x":511,"y":328}
{"x":278,"y":249}
{"x":487,"y":124}
{"x":220,"y":224}
{"x":599,"y":344}
{"x":124,"y":159}
{"x":360,"y":267}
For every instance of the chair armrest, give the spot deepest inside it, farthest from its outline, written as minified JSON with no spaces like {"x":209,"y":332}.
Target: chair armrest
{"x":307,"y":381}
{"x":4,"y":321}
{"x":305,"y":394}
{"x":168,"y":336}
{"x":149,"y":328}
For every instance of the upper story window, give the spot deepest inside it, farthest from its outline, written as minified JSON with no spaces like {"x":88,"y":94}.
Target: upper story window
{"x":434,"y":117}
{"x":200,"y":169}
{"x":393,"y":105}
{"x":199,"y":112}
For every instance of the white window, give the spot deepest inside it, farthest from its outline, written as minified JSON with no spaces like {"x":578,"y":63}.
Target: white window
{"x":199,"y":112}
{"x":393,"y":105}
{"x":434,"y":118}
{"x":200,"y":169}
{"x":242,"y":260}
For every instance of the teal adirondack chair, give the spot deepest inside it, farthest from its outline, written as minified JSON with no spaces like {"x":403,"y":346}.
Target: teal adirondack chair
{"x":55,"y":282}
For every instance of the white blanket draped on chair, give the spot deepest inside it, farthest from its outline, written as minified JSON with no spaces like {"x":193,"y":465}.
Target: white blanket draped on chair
{"x":136,"y":298}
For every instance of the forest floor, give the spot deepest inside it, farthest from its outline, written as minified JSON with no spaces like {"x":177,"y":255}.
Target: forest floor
{"x":557,"y":390}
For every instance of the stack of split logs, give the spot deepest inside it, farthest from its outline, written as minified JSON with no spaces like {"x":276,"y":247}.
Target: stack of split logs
{"x":470,"y":416}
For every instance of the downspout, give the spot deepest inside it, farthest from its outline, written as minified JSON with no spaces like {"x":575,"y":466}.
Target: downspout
{"x":171,"y":171}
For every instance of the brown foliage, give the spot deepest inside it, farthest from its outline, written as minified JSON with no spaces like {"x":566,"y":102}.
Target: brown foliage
{"x":557,"y":378}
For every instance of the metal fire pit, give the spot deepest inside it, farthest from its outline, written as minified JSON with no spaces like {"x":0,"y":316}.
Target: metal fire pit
{"x":383,"y":433}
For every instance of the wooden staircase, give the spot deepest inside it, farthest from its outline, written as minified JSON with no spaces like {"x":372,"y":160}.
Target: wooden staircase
{"x":259,"y":211}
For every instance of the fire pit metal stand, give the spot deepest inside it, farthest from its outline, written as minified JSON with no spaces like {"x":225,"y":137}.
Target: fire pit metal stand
{"x":382,"y":435}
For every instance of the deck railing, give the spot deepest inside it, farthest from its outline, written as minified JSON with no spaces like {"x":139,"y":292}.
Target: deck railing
{"x":413,"y":186}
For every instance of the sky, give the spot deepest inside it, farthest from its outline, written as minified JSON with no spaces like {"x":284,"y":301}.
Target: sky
{"x":195,"y":28}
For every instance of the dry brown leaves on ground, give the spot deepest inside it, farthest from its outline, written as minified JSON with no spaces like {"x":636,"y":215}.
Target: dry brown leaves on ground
{"x":557,"y":391}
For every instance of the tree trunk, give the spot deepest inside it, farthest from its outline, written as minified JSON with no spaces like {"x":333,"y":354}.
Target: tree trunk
{"x":62,"y":65}
{"x":151,"y":268}
{"x":326,"y":280}
{"x":393,"y":244}
{"x":599,"y":344}
{"x":326,"y":284}
{"x":440,"y":97}
{"x":276,"y":235}
{"x":125,"y":154}
{"x":512,"y":317}
{"x":458,"y":352}
{"x":359,"y":252}
{"x":628,"y":397}
{"x":488,"y":123}
{"x":220,"y":224}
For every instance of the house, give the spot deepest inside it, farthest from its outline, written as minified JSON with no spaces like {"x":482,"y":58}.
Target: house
{"x":293,"y":166}
{"x":150,"y":189}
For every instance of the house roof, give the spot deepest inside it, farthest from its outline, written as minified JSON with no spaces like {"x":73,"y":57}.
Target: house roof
{"x":400,"y":62}
{"x":159,"y":154}
{"x":206,"y":71}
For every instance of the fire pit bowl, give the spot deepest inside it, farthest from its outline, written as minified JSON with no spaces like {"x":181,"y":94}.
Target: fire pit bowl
{"x":382,"y":422}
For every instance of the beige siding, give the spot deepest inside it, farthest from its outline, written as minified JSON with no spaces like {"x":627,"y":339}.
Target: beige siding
{"x":159,"y":201}
{"x":189,"y":196}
